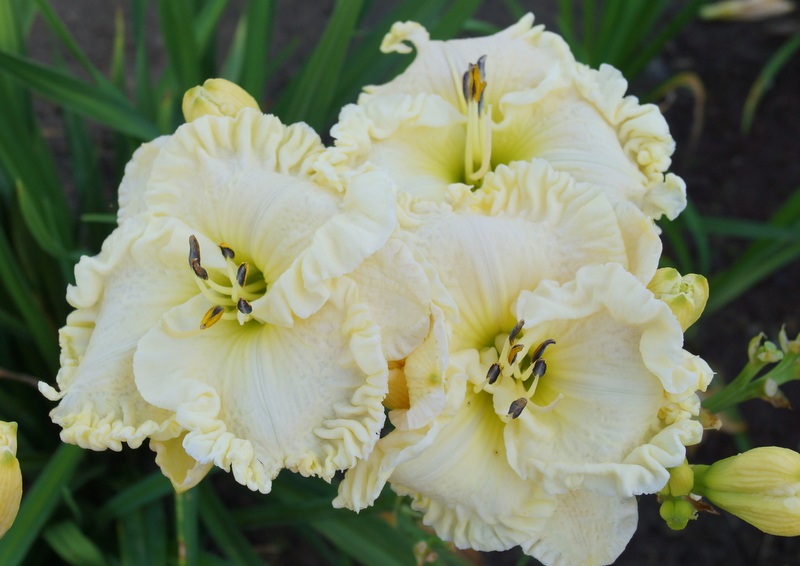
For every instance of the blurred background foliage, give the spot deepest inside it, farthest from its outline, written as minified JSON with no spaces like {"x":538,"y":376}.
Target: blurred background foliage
{"x":107,"y":508}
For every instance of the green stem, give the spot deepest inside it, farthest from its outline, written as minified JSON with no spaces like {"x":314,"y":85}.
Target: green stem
{"x":186,"y":511}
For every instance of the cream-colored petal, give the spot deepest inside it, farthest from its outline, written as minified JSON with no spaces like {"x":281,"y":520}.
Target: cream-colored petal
{"x":119,"y":295}
{"x":418,"y":140}
{"x":137,"y":174}
{"x":465,"y":487}
{"x":617,"y":360}
{"x":586,"y":528}
{"x":517,"y":58}
{"x":183,"y":471}
{"x":259,"y":398}
{"x":247,"y":182}
{"x":364,"y":482}
{"x":527,"y":223}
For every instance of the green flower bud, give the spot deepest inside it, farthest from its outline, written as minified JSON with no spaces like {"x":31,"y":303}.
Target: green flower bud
{"x":677,"y":513}
{"x":761,"y":486}
{"x":10,"y":476}
{"x":217,"y":97}
{"x":685,"y":295}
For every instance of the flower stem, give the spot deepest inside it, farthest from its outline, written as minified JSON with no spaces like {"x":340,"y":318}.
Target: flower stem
{"x":186,"y":509}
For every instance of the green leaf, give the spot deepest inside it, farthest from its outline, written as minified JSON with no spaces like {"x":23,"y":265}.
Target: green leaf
{"x":152,"y":488}
{"x":765,"y":79}
{"x":220,"y":525}
{"x":453,"y":19}
{"x":179,"y":39}
{"x":38,"y":504}
{"x":260,"y":18}
{"x":142,"y":535}
{"x":186,"y":513}
{"x":40,"y":219}
{"x":310,"y":96}
{"x":74,"y":547}
{"x":79,"y":96}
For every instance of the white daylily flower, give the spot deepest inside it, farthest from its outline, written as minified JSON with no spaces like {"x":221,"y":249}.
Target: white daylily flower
{"x":528,"y":223}
{"x":264,"y":350}
{"x":465,"y":106}
{"x":582,"y":406}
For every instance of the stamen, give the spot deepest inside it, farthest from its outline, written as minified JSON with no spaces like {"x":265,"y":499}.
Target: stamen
{"x":493,"y":373}
{"x":512,"y":354}
{"x":474,"y":84}
{"x":512,"y":336}
{"x":194,"y":258}
{"x":244,"y":307}
{"x":213,"y":316}
{"x":241,"y":274}
{"x":539,"y":351}
{"x":517,"y":406}
{"x":539,"y":368}
{"x":227,"y":251}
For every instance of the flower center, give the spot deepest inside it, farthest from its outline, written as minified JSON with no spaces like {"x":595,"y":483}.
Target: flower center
{"x":520,"y":359}
{"x":231,"y":291}
{"x":478,"y":146}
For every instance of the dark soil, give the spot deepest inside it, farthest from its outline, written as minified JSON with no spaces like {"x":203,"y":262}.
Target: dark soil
{"x":727,"y":174}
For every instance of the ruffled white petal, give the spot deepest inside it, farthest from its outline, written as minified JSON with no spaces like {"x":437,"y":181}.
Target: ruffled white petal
{"x":527,"y":223}
{"x":586,"y":528}
{"x":183,"y":471}
{"x":618,"y":357}
{"x":118,"y":296}
{"x":258,"y":398}
{"x":134,"y":183}
{"x":465,"y":487}
{"x":521,"y":56}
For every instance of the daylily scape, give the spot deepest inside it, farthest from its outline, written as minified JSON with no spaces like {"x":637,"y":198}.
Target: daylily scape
{"x":459,"y":298}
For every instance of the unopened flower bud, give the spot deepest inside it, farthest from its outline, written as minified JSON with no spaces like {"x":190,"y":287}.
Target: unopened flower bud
{"x":685,"y":295}
{"x":788,"y":346}
{"x":761,"y":486}
{"x":217,"y":97}
{"x":681,"y":480}
{"x":745,"y":10}
{"x":10,"y":476}
{"x":677,"y":513}
{"x":761,"y":351}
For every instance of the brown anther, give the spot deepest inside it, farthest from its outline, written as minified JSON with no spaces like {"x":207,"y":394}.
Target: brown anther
{"x":241,"y":274}
{"x":244,"y":307}
{"x":539,"y":351}
{"x":512,"y":336}
{"x":213,"y":316}
{"x":198,"y":269}
{"x":493,"y":373}
{"x":194,"y":258}
{"x":227,"y":251}
{"x":539,"y":368}
{"x":516,"y":408}
{"x":473,"y":84}
{"x":513,"y":352}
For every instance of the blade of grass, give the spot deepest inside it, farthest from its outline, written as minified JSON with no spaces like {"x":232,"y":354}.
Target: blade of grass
{"x":41,"y":222}
{"x":220,"y":525}
{"x":79,"y":96}
{"x":260,"y":17}
{"x":18,"y":290}
{"x":38,"y":504}
{"x":180,"y":42}
{"x":142,"y":536}
{"x":452,"y":21}
{"x":207,"y":21}
{"x":765,"y":79}
{"x":143,"y":89}
{"x":653,"y":47}
{"x":309,"y":97}
{"x":695,"y":224}
{"x":748,"y":229}
{"x":72,"y":545}
{"x":145,"y":491}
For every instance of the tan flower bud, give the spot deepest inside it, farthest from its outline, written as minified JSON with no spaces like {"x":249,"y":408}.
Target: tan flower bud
{"x":761,"y":486}
{"x":685,"y":295}
{"x":10,"y":476}
{"x":217,"y":97}
{"x":745,"y":10}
